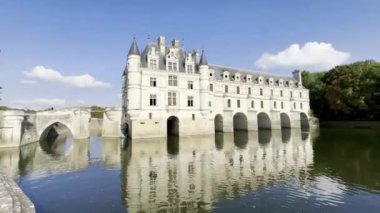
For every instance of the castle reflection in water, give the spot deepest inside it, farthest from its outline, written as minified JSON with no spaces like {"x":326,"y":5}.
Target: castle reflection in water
{"x":176,"y":173}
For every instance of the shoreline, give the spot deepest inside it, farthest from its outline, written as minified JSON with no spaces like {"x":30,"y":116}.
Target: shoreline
{"x":351,"y":124}
{"x":13,"y":199}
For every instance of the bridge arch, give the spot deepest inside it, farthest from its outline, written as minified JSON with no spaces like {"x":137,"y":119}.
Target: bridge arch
{"x":218,"y":123}
{"x":56,"y":126}
{"x":263,"y":121}
{"x":304,"y":121}
{"x":240,"y":122}
{"x":53,"y":138}
{"x":172,"y":126}
{"x":285,"y":120}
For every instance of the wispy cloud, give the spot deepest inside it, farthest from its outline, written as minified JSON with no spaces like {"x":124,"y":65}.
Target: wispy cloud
{"x":313,"y":56}
{"x":25,"y":81}
{"x":79,"y":81}
{"x":40,"y":102}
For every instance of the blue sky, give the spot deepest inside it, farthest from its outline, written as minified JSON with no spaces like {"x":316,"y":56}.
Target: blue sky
{"x":78,"y":37}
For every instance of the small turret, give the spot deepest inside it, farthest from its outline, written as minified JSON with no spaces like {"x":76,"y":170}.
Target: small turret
{"x":134,"y":50}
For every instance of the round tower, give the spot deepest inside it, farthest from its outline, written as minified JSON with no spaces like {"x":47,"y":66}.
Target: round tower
{"x":204,"y":85}
{"x":133,"y":81}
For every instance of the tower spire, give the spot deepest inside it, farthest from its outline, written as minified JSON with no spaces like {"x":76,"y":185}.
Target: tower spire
{"x":203,"y":60}
{"x":134,"y":50}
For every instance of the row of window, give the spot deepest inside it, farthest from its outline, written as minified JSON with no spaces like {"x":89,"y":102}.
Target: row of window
{"x":151,"y":116}
{"x":262,"y":104}
{"x":173,"y":81}
{"x":171,"y":65}
{"x":172,"y":101}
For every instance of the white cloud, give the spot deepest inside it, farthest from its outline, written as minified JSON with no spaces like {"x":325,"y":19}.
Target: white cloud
{"x":312,"y":56}
{"x":80,"y":81}
{"x":41,"y":102}
{"x":25,"y":81}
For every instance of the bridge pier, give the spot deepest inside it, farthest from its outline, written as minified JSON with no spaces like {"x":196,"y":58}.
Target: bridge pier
{"x":10,"y":127}
{"x":112,"y":122}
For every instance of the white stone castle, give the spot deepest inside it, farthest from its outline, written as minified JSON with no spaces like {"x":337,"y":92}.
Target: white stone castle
{"x":168,"y":91}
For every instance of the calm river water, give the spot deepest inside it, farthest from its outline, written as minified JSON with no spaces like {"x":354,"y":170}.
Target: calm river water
{"x":333,"y":170}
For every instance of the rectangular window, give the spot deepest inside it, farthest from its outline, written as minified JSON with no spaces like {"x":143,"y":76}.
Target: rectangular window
{"x":153,"y":82}
{"x":238,"y":103}
{"x":190,"y":85}
{"x":174,"y":66}
{"x":172,"y":80}
{"x":172,"y":99}
{"x":262,"y":104}
{"x":170,"y":66}
{"x":211,"y":87}
{"x":209,"y":103}
{"x":229,"y":103}
{"x":282,"y":105}
{"x":189,"y":68}
{"x":271,"y":92}
{"x":153,"y":100}
{"x":300,"y":94}
{"x":281,"y":93}
{"x":252,"y":104}
{"x":261,"y":91}
{"x":150,"y":115}
{"x":193,"y":116}
{"x":249,"y":90}
{"x":153,"y":63}
{"x":225,"y":88}
{"x":294,"y":105}
{"x":275,"y":105}
{"x":301,"y":106}
{"x":237,"y":90}
{"x":291,"y":94}
{"x":190,"y":102}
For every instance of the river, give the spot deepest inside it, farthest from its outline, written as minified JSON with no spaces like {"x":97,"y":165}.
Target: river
{"x":333,"y":170}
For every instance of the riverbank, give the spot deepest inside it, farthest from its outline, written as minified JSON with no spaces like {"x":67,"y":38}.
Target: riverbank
{"x":351,"y":124}
{"x":12,"y":198}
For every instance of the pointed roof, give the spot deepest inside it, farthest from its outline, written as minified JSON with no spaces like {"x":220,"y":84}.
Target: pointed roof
{"x":203,"y":60}
{"x":134,"y":50}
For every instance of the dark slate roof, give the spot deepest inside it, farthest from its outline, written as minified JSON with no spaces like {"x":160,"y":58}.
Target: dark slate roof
{"x":181,"y":55}
{"x":218,"y":73}
{"x":134,"y":50}
{"x":203,"y":60}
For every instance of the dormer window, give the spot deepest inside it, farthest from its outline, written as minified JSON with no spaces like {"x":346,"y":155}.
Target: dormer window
{"x":226,"y":75}
{"x":153,"y":63}
{"x":270,"y":81}
{"x":290,"y":83}
{"x":237,"y":77}
{"x":189,"y":63}
{"x":171,"y":61}
{"x":190,"y":68}
{"x":248,"y":78}
{"x":261,"y":80}
{"x":280,"y":82}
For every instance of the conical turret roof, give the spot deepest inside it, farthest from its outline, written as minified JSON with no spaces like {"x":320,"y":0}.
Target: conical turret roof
{"x":203,"y":60}
{"x":134,"y":50}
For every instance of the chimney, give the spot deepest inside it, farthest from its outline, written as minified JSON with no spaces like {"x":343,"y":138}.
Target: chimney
{"x":297,"y":75}
{"x":161,"y":41}
{"x":175,"y":43}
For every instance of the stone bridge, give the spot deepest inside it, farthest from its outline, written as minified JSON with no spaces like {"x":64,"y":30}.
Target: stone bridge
{"x":20,"y":127}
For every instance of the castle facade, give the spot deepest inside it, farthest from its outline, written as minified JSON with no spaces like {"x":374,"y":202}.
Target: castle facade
{"x":168,"y":91}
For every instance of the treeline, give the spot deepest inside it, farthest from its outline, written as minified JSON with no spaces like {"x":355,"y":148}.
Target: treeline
{"x":346,"y":92}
